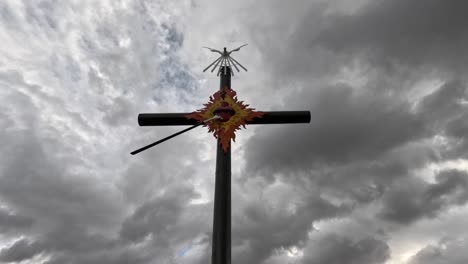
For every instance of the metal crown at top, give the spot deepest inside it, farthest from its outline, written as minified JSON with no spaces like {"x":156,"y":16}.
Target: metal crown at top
{"x":225,"y":60}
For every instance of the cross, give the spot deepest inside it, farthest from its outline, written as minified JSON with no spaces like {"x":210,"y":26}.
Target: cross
{"x":221,"y":241}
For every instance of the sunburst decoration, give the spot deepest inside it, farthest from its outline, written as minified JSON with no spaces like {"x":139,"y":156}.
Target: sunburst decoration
{"x":233,"y":114}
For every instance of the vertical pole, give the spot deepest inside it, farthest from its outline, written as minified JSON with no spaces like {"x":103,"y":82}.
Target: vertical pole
{"x":221,"y":247}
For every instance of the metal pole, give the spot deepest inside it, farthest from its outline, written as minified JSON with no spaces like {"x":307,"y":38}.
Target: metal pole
{"x":180,"y":119}
{"x":221,"y":247}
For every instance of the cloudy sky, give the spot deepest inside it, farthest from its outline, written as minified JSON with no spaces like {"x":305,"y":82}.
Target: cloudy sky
{"x":378,"y":176}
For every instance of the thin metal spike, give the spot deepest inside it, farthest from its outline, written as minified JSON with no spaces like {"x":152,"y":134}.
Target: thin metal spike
{"x":238,"y":63}
{"x":220,"y":67}
{"x":165,"y":139}
{"x":220,"y":61}
{"x":230,"y":66}
{"x":229,"y":63}
{"x":225,"y":61}
{"x":174,"y":135}
{"x":212,"y":63}
{"x":221,"y":64}
{"x":233,"y":64}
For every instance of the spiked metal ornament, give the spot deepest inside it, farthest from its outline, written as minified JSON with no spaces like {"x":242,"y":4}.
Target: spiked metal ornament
{"x":225,"y":60}
{"x":232,"y":112}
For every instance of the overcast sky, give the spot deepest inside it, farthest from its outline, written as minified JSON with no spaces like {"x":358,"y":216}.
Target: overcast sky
{"x":378,"y":176}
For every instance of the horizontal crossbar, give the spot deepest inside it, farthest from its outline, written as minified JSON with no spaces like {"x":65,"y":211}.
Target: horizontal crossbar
{"x":179,"y":119}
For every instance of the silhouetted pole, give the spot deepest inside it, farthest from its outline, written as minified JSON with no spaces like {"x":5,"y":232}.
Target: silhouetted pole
{"x":221,"y":247}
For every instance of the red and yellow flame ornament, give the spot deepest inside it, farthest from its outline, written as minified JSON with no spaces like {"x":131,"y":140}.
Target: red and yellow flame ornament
{"x":233,"y":114}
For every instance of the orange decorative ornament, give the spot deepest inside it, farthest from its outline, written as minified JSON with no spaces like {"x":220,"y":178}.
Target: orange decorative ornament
{"x":232,"y":113}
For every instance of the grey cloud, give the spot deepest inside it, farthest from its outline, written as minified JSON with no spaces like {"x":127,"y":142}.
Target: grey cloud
{"x":76,"y":239}
{"x":346,"y":126}
{"x":458,"y":127}
{"x":10,"y":221}
{"x":457,"y":131}
{"x":21,"y":250}
{"x":61,"y":207}
{"x":174,"y":74}
{"x":174,"y":37}
{"x":74,"y":243}
{"x":105,"y":256}
{"x":157,"y":217}
{"x":396,"y":38}
{"x":417,"y":33}
{"x":64,"y":210}
{"x":26,"y":98}
{"x":364,"y":183}
{"x":451,"y":251}
{"x":446,"y":115}
{"x":117,"y":111}
{"x":452,"y":185}
{"x":412,"y":199}
{"x":443,"y":104}
{"x":68,"y":209}
{"x":335,"y":249}
{"x":38,"y":187}
{"x":260,"y":231}
{"x":43,"y":14}
{"x":429,"y":254}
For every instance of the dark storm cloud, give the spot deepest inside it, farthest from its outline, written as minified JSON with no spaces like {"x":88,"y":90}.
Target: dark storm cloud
{"x":346,"y":126}
{"x":366,"y":181}
{"x":367,"y":137}
{"x":411,"y":199}
{"x":417,"y":33}
{"x":359,"y":143}
{"x":261,"y":231}
{"x":395,"y":36}
{"x":335,"y":249}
